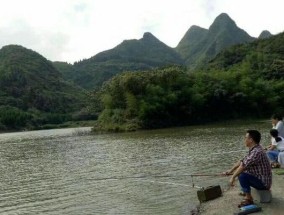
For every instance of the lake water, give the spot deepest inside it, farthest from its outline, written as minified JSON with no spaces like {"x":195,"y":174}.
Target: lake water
{"x":68,"y":171}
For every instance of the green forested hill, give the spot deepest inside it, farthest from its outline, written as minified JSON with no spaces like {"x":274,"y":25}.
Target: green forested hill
{"x":130,"y":55}
{"x":67,"y":70}
{"x":30,"y":87}
{"x":199,"y":45}
{"x":264,"y":58}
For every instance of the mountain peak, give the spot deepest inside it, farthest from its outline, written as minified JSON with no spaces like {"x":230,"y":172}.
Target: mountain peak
{"x":224,"y":25}
{"x":191,"y":37}
{"x":264,"y":34}
{"x":196,"y":28}
{"x":223,"y":16}
{"x":223,"y":20}
{"x":200,"y":45}
{"x":148,"y":37}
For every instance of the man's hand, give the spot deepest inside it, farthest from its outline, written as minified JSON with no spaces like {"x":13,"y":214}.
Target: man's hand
{"x":226,"y":173}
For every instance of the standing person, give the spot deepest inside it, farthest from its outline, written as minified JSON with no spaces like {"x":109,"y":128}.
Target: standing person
{"x":277,"y":123}
{"x":253,"y":170}
{"x":275,"y":148}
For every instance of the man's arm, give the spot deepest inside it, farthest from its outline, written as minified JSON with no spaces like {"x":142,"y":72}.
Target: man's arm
{"x":239,"y":170}
{"x":230,"y":171}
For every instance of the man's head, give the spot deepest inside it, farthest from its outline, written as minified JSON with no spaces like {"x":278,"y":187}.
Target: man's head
{"x":252,"y":137}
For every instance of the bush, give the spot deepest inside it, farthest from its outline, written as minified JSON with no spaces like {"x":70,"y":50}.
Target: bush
{"x":13,"y":118}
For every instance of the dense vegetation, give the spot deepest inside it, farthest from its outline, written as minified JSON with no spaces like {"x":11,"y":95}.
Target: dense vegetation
{"x":148,"y":99}
{"x":170,"y":97}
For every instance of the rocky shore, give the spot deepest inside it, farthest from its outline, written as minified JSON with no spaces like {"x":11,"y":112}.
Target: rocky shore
{"x":227,"y":204}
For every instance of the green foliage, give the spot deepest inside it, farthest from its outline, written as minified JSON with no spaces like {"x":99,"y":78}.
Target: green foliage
{"x":13,"y":118}
{"x":147,"y":99}
{"x":30,"y":84}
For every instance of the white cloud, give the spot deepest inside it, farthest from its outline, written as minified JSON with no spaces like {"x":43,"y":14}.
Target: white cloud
{"x":70,"y":30}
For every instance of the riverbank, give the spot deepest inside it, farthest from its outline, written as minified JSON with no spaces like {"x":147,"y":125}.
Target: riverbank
{"x":227,"y":204}
{"x":68,"y":124}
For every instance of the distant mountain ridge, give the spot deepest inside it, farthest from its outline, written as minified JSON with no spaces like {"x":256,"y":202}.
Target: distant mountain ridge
{"x":148,"y":50}
{"x":130,"y":55}
{"x":200,"y":45}
{"x":196,"y":49}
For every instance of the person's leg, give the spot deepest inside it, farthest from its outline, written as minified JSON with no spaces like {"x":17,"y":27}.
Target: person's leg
{"x":272,"y":155}
{"x":247,"y":181}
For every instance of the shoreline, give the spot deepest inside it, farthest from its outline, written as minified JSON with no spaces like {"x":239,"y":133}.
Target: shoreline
{"x":91,"y":123}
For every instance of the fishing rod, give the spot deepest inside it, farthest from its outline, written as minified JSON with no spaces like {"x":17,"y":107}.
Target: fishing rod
{"x":168,"y":183}
{"x":220,"y":174}
{"x":145,"y":178}
{"x":154,"y":176}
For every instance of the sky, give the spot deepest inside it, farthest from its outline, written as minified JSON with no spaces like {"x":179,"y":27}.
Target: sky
{"x":73,"y":30}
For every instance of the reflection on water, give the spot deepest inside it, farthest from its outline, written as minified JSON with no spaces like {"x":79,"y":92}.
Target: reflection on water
{"x":148,"y":172}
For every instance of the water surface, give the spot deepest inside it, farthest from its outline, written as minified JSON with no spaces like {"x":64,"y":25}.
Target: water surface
{"x":61,"y":171}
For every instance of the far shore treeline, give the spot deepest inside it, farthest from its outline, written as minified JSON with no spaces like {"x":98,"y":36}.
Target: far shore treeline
{"x":135,"y":89}
{"x":172,"y":97}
